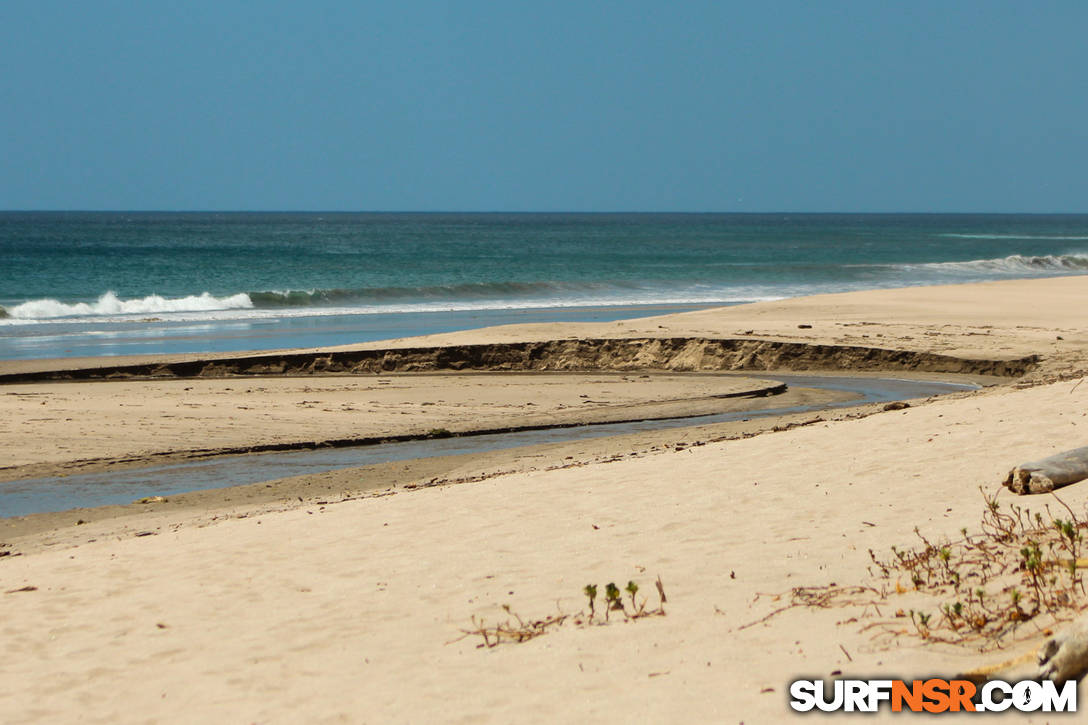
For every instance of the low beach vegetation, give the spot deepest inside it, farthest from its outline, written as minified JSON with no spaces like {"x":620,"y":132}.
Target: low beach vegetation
{"x":1018,"y":575}
{"x":516,"y":628}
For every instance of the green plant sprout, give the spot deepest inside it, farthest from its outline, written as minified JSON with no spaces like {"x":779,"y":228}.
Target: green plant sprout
{"x":612,"y":596}
{"x":591,"y":592}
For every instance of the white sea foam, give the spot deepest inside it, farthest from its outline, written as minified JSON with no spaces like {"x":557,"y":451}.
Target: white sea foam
{"x":110,"y":305}
{"x":1017,"y":236}
{"x":1014,"y":264}
{"x":223,"y":313}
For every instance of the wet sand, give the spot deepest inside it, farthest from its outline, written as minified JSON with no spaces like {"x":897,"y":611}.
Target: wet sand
{"x":58,"y":427}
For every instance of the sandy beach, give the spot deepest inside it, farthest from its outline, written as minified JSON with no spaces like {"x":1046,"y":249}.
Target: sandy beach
{"x":349,"y":603}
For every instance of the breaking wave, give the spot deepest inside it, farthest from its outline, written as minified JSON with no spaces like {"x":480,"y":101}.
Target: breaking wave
{"x":111,"y":304}
{"x":1044,"y":237}
{"x":1015,"y":264}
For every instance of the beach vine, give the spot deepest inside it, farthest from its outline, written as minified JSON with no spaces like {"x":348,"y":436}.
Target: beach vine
{"x":516,"y":629}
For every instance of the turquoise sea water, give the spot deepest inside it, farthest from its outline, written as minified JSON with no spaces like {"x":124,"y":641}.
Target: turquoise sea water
{"x":120,"y":283}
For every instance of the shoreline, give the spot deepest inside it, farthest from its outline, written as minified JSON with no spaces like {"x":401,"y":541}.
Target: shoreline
{"x":352,"y":588}
{"x":279,"y":330}
{"x":612,"y":316}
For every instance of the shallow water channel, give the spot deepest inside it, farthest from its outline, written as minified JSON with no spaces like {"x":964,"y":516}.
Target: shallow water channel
{"x":39,"y":495}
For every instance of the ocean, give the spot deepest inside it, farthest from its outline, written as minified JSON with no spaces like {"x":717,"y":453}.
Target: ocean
{"x":116,"y":283}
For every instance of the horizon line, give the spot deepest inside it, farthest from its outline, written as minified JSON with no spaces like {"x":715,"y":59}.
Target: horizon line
{"x":532,"y":211}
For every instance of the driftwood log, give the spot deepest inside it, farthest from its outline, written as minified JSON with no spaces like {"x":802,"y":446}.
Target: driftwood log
{"x":1047,"y":474}
{"x":1065,"y":656}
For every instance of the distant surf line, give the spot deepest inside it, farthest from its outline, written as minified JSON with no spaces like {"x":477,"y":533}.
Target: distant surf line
{"x":264,"y":304}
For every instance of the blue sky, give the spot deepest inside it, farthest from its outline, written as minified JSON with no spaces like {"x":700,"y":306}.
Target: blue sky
{"x":583,"y":106}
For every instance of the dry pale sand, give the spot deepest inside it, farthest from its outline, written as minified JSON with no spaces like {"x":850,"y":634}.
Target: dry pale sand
{"x":345,"y":612}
